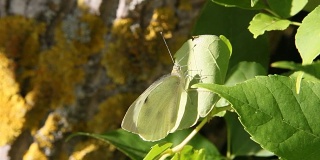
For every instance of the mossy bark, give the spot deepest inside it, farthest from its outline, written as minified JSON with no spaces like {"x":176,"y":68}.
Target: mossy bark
{"x":67,"y":66}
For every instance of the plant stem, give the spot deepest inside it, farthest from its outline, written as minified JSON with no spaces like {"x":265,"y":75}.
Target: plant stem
{"x":295,"y":23}
{"x":298,"y":81}
{"x":185,"y":141}
{"x":180,"y":146}
{"x":228,"y":154}
{"x":164,"y":156}
{"x":270,"y":11}
{"x":190,"y":136}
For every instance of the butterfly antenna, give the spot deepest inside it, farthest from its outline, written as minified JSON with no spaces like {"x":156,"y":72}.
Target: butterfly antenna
{"x":167,"y":46}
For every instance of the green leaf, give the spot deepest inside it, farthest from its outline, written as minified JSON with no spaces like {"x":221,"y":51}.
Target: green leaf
{"x":244,"y":71}
{"x":241,"y":144}
{"x":199,"y":155}
{"x":244,"y":4}
{"x":263,"y":22}
{"x":227,"y":42}
{"x":234,"y":25}
{"x":198,"y":142}
{"x":311,"y":69}
{"x":136,"y":148}
{"x":156,"y":151}
{"x":124,"y":141}
{"x":188,"y":153}
{"x":277,"y":118}
{"x":308,"y":35}
{"x":287,"y":8}
{"x":206,"y":58}
{"x":254,"y":2}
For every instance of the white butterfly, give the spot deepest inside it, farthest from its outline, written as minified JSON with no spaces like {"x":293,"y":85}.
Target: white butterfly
{"x":155,"y":112}
{"x":166,"y":106}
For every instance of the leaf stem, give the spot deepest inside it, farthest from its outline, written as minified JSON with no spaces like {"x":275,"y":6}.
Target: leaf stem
{"x":164,"y":156}
{"x":180,"y":146}
{"x":190,"y":136}
{"x":295,"y":23}
{"x":270,"y":11}
{"x":298,"y":81}
{"x":228,"y":154}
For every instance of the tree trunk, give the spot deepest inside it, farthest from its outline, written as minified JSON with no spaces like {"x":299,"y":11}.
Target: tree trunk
{"x":76,"y":66}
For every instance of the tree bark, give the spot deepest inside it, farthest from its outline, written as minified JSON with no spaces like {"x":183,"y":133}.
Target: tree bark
{"x":70,"y":66}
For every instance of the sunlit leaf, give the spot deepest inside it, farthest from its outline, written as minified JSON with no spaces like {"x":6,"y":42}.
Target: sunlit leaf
{"x":287,"y":8}
{"x":263,"y":22}
{"x":311,"y":69}
{"x":156,"y":151}
{"x":136,"y":148}
{"x":241,"y":144}
{"x":234,"y":25}
{"x":308,"y":35}
{"x":279,"y":119}
{"x":188,"y":153}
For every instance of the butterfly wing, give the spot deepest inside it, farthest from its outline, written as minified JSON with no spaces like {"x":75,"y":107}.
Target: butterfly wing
{"x":129,"y":122}
{"x":158,"y":113}
{"x":154,"y":113}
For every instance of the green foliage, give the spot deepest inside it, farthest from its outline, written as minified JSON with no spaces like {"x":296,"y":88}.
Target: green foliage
{"x":188,"y":153}
{"x":241,"y":144}
{"x":136,"y":148}
{"x":307,"y":35}
{"x":131,"y":145}
{"x":287,"y":8}
{"x":157,"y":150}
{"x":244,"y":71}
{"x":275,"y":115}
{"x":263,"y":22}
{"x":233,"y":24}
{"x":311,"y":69}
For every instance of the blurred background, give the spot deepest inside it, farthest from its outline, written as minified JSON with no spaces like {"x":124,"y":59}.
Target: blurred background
{"x":77,"y":65}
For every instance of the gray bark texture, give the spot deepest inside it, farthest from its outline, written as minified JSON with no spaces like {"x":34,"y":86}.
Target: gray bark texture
{"x":76,"y":66}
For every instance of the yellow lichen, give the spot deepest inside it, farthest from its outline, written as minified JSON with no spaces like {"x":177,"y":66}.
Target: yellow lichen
{"x":97,"y":31}
{"x":110,"y":113}
{"x":60,"y":67}
{"x":45,"y":136}
{"x":82,"y":5}
{"x":54,"y":81}
{"x":35,"y":81}
{"x":13,"y":106}
{"x":34,"y":153}
{"x":20,"y":41}
{"x":19,"y":46}
{"x":81,"y":150}
{"x":133,"y":51}
{"x":124,"y":43}
{"x":163,"y":20}
{"x":185,"y":5}
{"x":91,"y":149}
